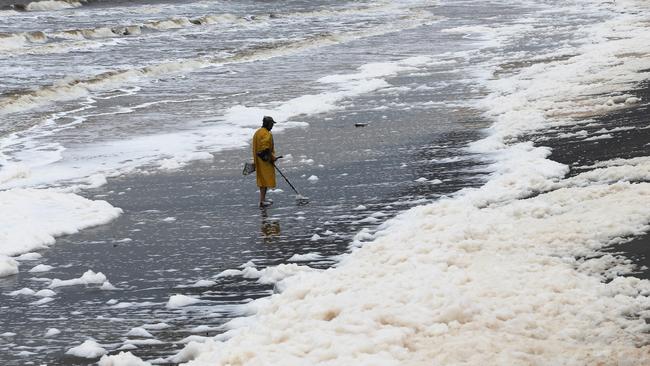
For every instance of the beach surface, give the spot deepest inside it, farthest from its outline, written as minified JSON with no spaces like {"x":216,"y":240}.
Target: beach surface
{"x":477,"y":176}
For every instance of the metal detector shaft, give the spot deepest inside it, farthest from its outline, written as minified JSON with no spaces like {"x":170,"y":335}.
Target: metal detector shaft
{"x":285,"y":178}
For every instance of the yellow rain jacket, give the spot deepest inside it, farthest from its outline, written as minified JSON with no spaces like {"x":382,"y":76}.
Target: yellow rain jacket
{"x":262,"y":140}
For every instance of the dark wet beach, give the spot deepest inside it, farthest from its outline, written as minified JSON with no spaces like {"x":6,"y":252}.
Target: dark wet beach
{"x":631,"y":141}
{"x":189,"y":225}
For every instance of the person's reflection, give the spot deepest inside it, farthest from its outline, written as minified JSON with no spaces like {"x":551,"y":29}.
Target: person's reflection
{"x":270,"y":227}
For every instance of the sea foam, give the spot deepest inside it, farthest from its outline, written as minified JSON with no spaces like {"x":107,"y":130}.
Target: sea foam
{"x":509,"y":271}
{"x":32,"y":218}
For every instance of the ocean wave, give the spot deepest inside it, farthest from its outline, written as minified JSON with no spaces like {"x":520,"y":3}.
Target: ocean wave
{"x":69,"y":89}
{"x":22,"y":43}
{"x":10,"y":42}
{"x":49,"y":5}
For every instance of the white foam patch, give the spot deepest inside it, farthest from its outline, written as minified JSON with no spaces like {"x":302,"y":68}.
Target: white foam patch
{"x":127,"y":347}
{"x":275,"y":274}
{"x":45,"y":293}
{"x":13,"y":171}
{"x":51,"y":332}
{"x":177,"y":301}
{"x":305,"y":257}
{"x":460,"y":279}
{"x":599,"y":137}
{"x":42,"y":301}
{"x":229,"y":273}
{"x":618,"y":170}
{"x":524,"y":101}
{"x":8,"y":266}
{"x":139,"y":332}
{"x":520,"y":170}
{"x":107,"y":286}
{"x":203,"y":283}
{"x":156,"y":326}
{"x":144,"y":342}
{"x":124,"y":305}
{"x":122,"y":359}
{"x":29,"y":257}
{"x":89,"y":277}
{"x":88,"y":349}
{"x":368,"y":220}
{"x":32,"y":218}
{"x":181,"y":160}
{"x":23,"y":291}
{"x":41,"y":268}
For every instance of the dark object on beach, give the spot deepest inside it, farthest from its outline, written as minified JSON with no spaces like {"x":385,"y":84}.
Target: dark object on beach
{"x":300,"y":199}
{"x":359,"y":124}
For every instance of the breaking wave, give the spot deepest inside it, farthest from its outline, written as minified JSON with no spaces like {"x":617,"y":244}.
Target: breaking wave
{"x":48,"y":5}
{"x":24,"y":100}
{"x":16,"y":41}
{"x":20,"y":43}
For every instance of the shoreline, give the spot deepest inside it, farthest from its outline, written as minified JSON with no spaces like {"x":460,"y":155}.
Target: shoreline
{"x":623,"y":144}
{"x":486,"y":266}
{"x":184,"y":226}
{"x":150,"y":199}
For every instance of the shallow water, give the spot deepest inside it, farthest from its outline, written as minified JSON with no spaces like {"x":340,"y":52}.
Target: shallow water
{"x":218,"y":227}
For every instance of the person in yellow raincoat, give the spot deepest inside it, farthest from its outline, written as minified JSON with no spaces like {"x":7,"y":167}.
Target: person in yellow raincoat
{"x":264,"y":158}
